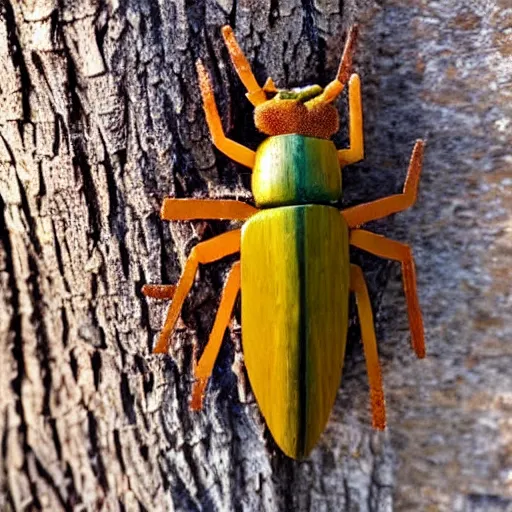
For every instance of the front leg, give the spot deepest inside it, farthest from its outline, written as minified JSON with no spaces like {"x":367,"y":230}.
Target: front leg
{"x":355,"y":112}
{"x":191,"y":209}
{"x":230,"y":148}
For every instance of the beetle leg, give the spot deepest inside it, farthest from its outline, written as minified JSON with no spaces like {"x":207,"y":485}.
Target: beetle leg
{"x":355,"y":112}
{"x":204,"y":252}
{"x":386,"y":248}
{"x":159,"y":291}
{"x":189,"y":209}
{"x":204,"y":367}
{"x":364,"y":308}
{"x":232,"y":149}
{"x":360,"y":214}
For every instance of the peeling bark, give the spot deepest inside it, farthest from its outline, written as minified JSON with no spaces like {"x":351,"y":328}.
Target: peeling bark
{"x":100,"y":119}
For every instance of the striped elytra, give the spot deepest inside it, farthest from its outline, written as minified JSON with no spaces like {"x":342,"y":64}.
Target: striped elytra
{"x":295,"y":283}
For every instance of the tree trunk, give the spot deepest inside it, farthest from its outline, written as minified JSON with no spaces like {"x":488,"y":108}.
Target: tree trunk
{"x":101,"y":119}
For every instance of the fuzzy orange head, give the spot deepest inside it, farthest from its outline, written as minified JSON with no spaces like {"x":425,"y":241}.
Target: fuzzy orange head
{"x":300,"y":111}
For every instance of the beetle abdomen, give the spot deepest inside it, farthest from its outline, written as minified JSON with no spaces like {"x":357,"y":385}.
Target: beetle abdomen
{"x":295,"y":281}
{"x":293,"y":169}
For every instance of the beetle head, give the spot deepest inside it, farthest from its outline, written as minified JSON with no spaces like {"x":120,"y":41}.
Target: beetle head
{"x":305,"y":111}
{"x":298,"y":111}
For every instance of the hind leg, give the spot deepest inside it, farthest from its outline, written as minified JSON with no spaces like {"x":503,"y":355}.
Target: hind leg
{"x":364,"y":309}
{"x":386,"y":248}
{"x":204,"y":367}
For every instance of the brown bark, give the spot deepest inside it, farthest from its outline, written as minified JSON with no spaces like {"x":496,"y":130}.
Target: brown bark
{"x":100,"y":119}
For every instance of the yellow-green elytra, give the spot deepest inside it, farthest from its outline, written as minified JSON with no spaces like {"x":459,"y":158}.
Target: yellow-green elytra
{"x":295,"y":282}
{"x":293,"y":169}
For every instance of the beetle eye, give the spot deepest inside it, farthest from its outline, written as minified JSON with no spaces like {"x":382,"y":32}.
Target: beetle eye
{"x":285,"y":94}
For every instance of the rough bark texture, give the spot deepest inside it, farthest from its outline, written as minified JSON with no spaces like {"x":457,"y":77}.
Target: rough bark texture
{"x":100,"y":119}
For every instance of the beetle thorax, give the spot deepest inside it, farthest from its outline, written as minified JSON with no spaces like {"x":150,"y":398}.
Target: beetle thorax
{"x":293,"y":169}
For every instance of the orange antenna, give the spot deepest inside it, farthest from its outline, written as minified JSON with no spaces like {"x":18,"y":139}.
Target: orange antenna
{"x":255,"y":94}
{"x":333,"y":89}
{"x":346,"y":59}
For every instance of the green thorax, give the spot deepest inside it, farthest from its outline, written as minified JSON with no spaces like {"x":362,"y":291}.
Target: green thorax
{"x":293,"y":169}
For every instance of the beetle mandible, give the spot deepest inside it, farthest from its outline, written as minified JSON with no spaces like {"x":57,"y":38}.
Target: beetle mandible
{"x":294,"y":271}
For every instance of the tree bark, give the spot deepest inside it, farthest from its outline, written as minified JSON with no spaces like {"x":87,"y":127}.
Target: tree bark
{"x":101,"y":119}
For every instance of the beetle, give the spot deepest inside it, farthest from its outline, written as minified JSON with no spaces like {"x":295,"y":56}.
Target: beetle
{"x":294,"y":272}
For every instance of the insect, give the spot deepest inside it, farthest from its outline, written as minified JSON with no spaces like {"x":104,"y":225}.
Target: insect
{"x":294,"y":271}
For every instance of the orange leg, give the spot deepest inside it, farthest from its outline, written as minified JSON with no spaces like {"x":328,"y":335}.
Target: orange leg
{"x":159,"y":291}
{"x":232,"y":149}
{"x":204,"y":252}
{"x":364,"y":308}
{"x":189,"y":209}
{"x":355,"y":112}
{"x":386,"y":248}
{"x":358,"y":215}
{"x":204,"y":367}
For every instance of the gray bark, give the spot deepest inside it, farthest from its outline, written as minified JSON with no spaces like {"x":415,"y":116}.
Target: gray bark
{"x":100,"y":119}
